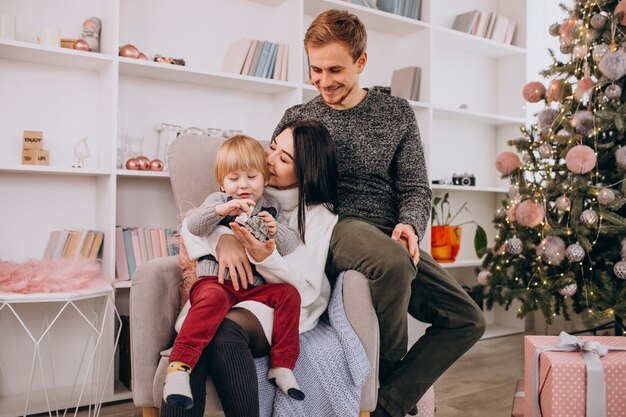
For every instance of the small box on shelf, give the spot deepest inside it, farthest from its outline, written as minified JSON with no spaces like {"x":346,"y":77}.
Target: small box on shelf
{"x":35,"y":157}
{"x":33,"y":139}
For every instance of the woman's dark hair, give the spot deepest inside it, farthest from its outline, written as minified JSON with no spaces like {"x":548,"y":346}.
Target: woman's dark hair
{"x":316,"y":167}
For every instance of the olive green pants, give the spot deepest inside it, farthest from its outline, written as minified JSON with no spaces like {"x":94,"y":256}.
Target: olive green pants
{"x":428,"y":293}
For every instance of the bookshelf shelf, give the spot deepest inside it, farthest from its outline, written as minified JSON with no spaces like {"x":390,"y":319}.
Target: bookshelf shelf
{"x":454,"y":39}
{"x":476,"y":189}
{"x":53,"y":170}
{"x":477,"y":116}
{"x":142,"y":174}
{"x":39,"y":54}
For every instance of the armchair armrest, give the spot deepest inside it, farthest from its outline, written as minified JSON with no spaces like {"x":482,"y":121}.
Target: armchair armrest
{"x":357,"y":300}
{"x":154,"y":306}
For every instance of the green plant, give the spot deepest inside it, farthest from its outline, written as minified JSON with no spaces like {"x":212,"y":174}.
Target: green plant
{"x":442,"y":215}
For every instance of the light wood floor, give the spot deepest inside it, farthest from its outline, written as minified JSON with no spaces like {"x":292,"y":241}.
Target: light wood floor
{"x":480,"y":384}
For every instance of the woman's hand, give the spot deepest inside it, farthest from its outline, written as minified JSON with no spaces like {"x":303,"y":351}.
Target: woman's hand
{"x":257,"y":250}
{"x":232,"y":255}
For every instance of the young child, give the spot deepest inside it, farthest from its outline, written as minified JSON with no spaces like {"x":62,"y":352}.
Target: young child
{"x":242,"y":173}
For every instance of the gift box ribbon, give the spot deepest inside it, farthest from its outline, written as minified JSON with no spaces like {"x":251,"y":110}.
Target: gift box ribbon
{"x":592,"y":352}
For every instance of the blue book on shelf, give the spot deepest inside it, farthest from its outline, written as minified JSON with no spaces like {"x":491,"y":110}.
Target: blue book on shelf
{"x":130,"y":256}
{"x":271,"y":61}
{"x":260,"y":68}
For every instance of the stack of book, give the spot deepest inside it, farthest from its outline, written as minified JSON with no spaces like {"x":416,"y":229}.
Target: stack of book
{"x":69,"y":244}
{"x":406,"y":8}
{"x":136,"y":245}
{"x":487,"y":25}
{"x":405,"y":83}
{"x":257,"y":59}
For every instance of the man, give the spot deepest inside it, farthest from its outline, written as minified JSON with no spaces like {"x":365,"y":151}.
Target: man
{"x":384,"y":204}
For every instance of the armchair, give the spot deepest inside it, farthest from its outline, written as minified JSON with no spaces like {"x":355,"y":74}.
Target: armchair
{"x":154,"y":294}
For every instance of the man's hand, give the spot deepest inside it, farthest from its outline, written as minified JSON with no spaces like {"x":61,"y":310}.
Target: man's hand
{"x":405,"y":234}
{"x":232,"y":255}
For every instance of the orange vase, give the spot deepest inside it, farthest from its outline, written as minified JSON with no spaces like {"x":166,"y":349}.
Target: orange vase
{"x":445,"y":242}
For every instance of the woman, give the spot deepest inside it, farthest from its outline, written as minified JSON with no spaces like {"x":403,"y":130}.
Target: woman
{"x":303,"y":176}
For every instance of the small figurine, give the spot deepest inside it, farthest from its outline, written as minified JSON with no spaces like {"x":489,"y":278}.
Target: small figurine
{"x":255,"y":225}
{"x":81,"y":151}
{"x":91,"y":33}
{"x":168,"y":60}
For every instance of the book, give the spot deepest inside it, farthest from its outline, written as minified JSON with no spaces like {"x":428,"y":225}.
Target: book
{"x":163,"y":242}
{"x":510,"y":31}
{"x":71,"y":246}
{"x":265,"y":51}
{"x":130,"y":253}
{"x":156,"y":245}
{"x":86,"y":248}
{"x":147,"y":245}
{"x":405,"y":83}
{"x":271,"y":61}
{"x":248,"y":62}
{"x":136,"y":247}
{"x":56,"y":244}
{"x":279,"y":62}
{"x":121,"y":263}
{"x":284,"y":70}
{"x":96,"y":248}
{"x":465,"y":22}
{"x":255,"y":58}
{"x":236,"y":55}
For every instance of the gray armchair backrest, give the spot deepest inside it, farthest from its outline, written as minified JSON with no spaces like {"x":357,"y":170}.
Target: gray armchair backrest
{"x":190,"y":159}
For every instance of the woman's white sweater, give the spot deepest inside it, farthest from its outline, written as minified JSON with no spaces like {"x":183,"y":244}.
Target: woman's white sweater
{"x":303,"y":268}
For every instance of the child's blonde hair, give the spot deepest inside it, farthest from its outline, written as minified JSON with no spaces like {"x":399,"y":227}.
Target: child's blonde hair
{"x":240,"y":152}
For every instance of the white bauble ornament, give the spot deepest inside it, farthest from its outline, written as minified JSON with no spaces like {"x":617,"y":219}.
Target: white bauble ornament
{"x":599,"y":51}
{"x":483,"y":277}
{"x":589,"y":217}
{"x":552,"y":250}
{"x":620,"y":157}
{"x":619,"y":269}
{"x":606,"y":196}
{"x":575,"y":252}
{"x":598,"y":21}
{"x":568,"y":290}
{"x":545,"y":150}
{"x":563,"y":203}
{"x":613,"y":64}
{"x":514,"y":246}
{"x":613,"y":91}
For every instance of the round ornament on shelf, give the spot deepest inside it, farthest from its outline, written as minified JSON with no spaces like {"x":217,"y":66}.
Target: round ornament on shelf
{"x":606,"y":196}
{"x":552,"y":250}
{"x":129,"y":51}
{"x":620,"y":157}
{"x":80,"y":45}
{"x":144,"y":163}
{"x":507,"y":162}
{"x":598,"y":21}
{"x":156,"y":165}
{"x":568,"y":290}
{"x":613,"y":92}
{"x":589,"y":217}
{"x":619,"y":269}
{"x":132,"y":164}
{"x":563,"y":203}
{"x":545,"y":150}
{"x":483,"y":277}
{"x":529,"y":213}
{"x":534,"y":92}
{"x":580,"y":159}
{"x":514,"y":246}
{"x":575,"y":252}
{"x":613,"y":64}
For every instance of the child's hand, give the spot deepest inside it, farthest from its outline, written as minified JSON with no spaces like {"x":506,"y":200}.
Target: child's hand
{"x":235,"y":207}
{"x":269,"y":222}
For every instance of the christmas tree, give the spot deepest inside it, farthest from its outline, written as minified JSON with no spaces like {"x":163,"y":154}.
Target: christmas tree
{"x":562,"y":231}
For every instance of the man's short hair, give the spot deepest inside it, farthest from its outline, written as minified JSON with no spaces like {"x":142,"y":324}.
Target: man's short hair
{"x":337,"y":26}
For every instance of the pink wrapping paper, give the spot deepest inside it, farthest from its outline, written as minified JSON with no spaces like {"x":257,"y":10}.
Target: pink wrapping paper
{"x":562,"y":378}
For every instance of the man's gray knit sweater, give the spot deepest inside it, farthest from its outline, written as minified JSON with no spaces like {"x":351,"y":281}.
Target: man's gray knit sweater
{"x":382,"y":171}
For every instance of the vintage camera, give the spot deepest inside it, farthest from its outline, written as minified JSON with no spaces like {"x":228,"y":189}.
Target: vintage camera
{"x":464,"y":179}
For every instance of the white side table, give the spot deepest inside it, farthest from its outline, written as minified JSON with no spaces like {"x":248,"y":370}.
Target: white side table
{"x":57,"y":351}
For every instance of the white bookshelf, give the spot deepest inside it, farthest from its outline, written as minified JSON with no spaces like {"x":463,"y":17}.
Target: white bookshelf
{"x":71,"y":94}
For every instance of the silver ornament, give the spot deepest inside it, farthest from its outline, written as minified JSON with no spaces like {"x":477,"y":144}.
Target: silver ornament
{"x":545,"y":150}
{"x":598,"y":21}
{"x":563,"y":203}
{"x":599,"y":51}
{"x":554,"y":29}
{"x":483,"y":277}
{"x":512,"y":192}
{"x":589,"y":217}
{"x":568,"y":290}
{"x":606,"y":196}
{"x":575,"y":252}
{"x":619,"y":269}
{"x":514,"y":246}
{"x":613,"y":91}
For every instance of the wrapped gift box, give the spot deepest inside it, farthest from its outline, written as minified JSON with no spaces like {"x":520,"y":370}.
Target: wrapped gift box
{"x":562,"y":378}
{"x":518,"y":399}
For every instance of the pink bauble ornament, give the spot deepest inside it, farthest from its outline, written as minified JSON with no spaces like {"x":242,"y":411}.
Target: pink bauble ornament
{"x":534,"y":92}
{"x":580,"y":159}
{"x":565,"y":31}
{"x":613,"y":64}
{"x":144,"y":163}
{"x":580,"y":51}
{"x":620,"y":157}
{"x":132,"y":164}
{"x":529,"y":213}
{"x":563,"y":203}
{"x":511,"y":213}
{"x":546,"y":117}
{"x":156,"y":165}
{"x":142,"y":56}
{"x":80,"y":45}
{"x":582,"y":121}
{"x":583,"y":87}
{"x":606,"y":196}
{"x":483,"y":277}
{"x":507,"y":162}
{"x":558,"y":90}
{"x":129,"y":51}
{"x":568,"y":290}
{"x":613,"y":91}
{"x":621,"y":7}
{"x":552,"y":250}
{"x":598,"y":21}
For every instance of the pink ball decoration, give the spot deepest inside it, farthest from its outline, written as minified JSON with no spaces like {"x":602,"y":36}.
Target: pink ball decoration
{"x":621,"y":7}
{"x":507,"y":162}
{"x":511,"y":213}
{"x":483,"y":277}
{"x":156,"y":165}
{"x":582,"y":121}
{"x":558,"y":90}
{"x":132,"y":164}
{"x":529,"y":213}
{"x":580,"y":159}
{"x":129,"y":51}
{"x":534,"y":92}
{"x":142,"y":56}
{"x":583,"y":87}
{"x":144,"y":163}
{"x":80,"y":45}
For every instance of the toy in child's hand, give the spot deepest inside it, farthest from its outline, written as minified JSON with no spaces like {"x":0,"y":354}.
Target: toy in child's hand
{"x":255,"y":225}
